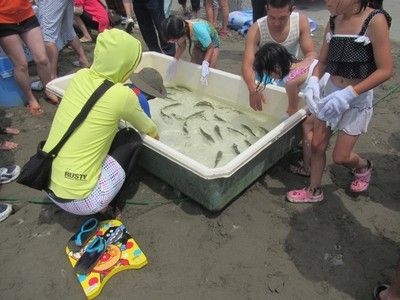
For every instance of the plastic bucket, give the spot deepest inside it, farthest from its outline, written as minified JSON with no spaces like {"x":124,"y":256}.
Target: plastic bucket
{"x":10,"y":93}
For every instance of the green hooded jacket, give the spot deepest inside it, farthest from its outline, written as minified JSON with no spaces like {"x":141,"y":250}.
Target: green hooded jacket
{"x":77,"y":167}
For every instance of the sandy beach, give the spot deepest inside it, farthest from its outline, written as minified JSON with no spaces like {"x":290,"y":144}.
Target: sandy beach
{"x":259,"y":247}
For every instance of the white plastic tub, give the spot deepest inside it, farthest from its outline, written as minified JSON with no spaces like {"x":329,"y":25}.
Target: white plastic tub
{"x":214,"y":188}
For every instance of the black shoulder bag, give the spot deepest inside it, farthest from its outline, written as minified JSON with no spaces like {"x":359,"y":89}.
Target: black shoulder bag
{"x":36,"y":173}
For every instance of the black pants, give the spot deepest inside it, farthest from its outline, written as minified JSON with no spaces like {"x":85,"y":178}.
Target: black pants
{"x":194,"y":3}
{"x":150,"y":14}
{"x":258,"y":9}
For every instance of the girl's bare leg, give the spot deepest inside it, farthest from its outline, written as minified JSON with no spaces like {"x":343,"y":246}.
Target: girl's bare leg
{"x":34,"y":40}
{"x":343,"y":152}
{"x":12,"y":46}
{"x":319,"y":144}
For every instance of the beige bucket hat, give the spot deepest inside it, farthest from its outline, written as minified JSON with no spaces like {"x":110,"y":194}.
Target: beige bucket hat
{"x":149,"y":81}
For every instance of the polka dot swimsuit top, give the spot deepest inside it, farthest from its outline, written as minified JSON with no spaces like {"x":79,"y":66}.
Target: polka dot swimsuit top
{"x":352,"y":56}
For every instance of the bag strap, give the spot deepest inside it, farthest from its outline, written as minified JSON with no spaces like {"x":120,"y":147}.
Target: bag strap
{"x":82,"y":115}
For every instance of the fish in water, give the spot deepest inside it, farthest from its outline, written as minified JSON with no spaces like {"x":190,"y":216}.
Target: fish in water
{"x":164,"y":115}
{"x":236,"y":149}
{"x":207,"y":136}
{"x":169,"y":98}
{"x":183,"y":88}
{"x":204,"y":103}
{"x":219,"y":118}
{"x":263,"y":129}
{"x":235,"y":130}
{"x":248,"y":129}
{"x":247,"y":143}
{"x":231,"y":109}
{"x":185,"y":129}
{"x":218,"y":131}
{"x":218,"y":158}
{"x":199,"y":113}
{"x":178,"y":117}
{"x":171,"y":105}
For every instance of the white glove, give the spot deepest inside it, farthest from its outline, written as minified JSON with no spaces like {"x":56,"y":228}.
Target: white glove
{"x":312,"y":94}
{"x":205,"y":71}
{"x":336,"y":104}
{"x":171,"y":69}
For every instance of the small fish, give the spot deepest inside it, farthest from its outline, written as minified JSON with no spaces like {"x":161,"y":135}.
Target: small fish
{"x":178,"y":117}
{"x":219,"y":118}
{"x":247,"y":143}
{"x":248,"y":129}
{"x":182,"y":88}
{"x":185,"y":129}
{"x":236,"y":149}
{"x":218,"y":131}
{"x":198,"y":113}
{"x":232,"y":109}
{"x":171,"y":105}
{"x":207,"y":136}
{"x":263,"y":129}
{"x":204,"y":103}
{"x":235,"y":130}
{"x":218,"y":158}
{"x":169,"y":98}
{"x":164,"y":115}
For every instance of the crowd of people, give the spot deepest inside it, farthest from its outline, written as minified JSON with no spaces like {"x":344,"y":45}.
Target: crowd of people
{"x":278,"y":49}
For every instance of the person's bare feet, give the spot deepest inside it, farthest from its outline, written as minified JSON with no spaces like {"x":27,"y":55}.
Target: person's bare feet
{"x":35,"y":110}
{"x":84,"y":63}
{"x":7,"y":145}
{"x":53,"y":99}
{"x":9,"y":130}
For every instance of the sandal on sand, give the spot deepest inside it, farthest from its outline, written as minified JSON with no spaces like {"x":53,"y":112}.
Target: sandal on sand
{"x":35,"y":111}
{"x":378,"y":289}
{"x":9,"y":130}
{"x":304,"y":196}
{"x":91,"y":256}
{"x":300,"y":169}
{"x":86,"y":231}
{"x":8,"y":146}
{"x":361,"y":181}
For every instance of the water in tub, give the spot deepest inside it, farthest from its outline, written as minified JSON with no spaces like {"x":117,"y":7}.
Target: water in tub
{"x":209,"y":130}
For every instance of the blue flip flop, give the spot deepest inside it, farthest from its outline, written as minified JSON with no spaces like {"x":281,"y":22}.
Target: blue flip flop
{"x":78,"y":240}
{"x":92,"y":254}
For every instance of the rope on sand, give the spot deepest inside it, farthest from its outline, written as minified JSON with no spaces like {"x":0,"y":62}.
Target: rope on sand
{"x":392,"y":90}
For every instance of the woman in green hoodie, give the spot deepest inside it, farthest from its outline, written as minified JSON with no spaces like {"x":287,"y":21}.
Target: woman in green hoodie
{"x":85,"y":178}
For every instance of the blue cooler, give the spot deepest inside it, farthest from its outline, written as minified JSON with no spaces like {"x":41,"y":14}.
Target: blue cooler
{"x":10,"y":93}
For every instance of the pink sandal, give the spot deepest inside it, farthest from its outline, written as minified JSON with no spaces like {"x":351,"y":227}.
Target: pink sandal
{"x":361,"y":181}
{"x":304,"y":196}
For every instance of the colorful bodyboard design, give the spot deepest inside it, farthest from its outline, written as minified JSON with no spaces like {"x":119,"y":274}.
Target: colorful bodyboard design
{"x":122,"y":253}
